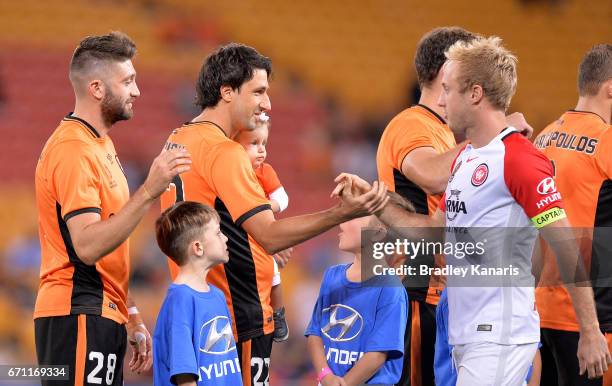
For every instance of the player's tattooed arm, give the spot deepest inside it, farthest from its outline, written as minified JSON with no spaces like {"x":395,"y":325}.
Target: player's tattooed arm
{"x":593,"y":354}
{"x":365,"y":368}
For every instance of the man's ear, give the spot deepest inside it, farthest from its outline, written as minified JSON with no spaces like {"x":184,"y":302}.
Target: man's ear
{"x":97,"y":89}
{"x":227,"y":93}
{"x":476,"y":94}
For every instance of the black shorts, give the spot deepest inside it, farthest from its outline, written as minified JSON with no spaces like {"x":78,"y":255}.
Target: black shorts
{"x":560,"y":362}
{"x":93,"y":347}
{"x":254,"y":355}
{"x":419,"y":344}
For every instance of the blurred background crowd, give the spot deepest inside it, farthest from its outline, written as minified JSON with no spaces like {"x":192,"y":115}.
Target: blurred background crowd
{"x":342,"y":69}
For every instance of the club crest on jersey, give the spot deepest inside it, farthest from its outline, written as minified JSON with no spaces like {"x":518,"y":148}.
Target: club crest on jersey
{"x":454,"y":206}
{"x":547,"y":186}
{"x":345,"y":323}
{"x":480,"y":175}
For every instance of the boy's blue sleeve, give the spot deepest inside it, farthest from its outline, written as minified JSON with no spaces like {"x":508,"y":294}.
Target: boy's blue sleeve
{"x":314,"y":327}
{"x":181,"y":353}
{"x":390,"y":324}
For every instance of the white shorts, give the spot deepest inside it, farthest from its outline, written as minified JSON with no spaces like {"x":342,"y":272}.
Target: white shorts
{"x":276,"y":279}
{"x":492,"y":364}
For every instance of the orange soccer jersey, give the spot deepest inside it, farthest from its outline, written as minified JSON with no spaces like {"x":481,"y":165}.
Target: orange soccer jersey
{"x":417,"y":126}
{"x":579,"y":144}
{"x":78,"y":171}
{"x":222,"y":177}
{"x":268,"y":178}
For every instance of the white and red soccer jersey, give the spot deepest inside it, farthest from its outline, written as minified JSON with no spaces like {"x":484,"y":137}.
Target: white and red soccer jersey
{"x":505,"y":187}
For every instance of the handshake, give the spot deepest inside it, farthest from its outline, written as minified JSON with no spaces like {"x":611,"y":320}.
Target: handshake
{"x":358,"y":198}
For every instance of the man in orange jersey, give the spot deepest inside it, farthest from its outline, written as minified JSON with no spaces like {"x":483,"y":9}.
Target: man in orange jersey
{"x":413,"y":159}
{"x":85,"y":217}
{"x":232,"y":90}
{"x":579,"y":144}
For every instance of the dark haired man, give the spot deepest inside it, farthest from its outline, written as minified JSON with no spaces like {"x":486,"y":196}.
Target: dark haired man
{"x":85,"y":217}
{"x":579,"y":144}
{"x":232,"y":90}
{"x":413,"y":159}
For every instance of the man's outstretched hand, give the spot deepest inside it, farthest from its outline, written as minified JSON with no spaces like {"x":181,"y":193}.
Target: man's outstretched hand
{"x":358,"y":197}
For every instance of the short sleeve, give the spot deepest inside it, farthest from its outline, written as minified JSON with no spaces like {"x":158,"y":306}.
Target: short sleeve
{"x":236,"y":184}
{"x":76,"y":179}
{"x":181,"y":355}
{"x":529,"y":177}
{"x":314,"y":327}
{"x":389,"y":327}
{"x":408,"y":134}
{"x":603,"y":154}
{"x":268,"y":178}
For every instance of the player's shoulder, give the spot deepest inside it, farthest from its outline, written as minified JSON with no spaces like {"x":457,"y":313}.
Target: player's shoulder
{"x":73,"y":132}
{"x":229,"y":149}
{"x":517,"y":145}
{"x":69,"y":142}
{"x":521,"y":157}
{"x":410,"y":121}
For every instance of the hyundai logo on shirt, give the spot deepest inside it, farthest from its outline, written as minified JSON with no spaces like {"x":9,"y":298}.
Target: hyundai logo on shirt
{"x":345,"y":323}
{"x":216,"y":334}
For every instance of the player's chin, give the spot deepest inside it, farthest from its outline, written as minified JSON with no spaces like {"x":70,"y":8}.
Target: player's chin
{"x":127,"y":113}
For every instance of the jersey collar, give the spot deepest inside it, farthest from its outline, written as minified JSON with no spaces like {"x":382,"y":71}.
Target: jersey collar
{"x":438,"y":117}
{"x":587,"y":112}
{"x":83,"y":122}
{"x":206,"y":122}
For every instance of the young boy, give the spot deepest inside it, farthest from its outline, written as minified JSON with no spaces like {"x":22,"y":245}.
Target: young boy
{"x":193,"y":342}
{"x":254,"y":142}
{"x":356,"y":334}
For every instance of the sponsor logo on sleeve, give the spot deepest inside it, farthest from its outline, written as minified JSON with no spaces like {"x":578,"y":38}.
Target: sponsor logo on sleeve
{"x":547,"y":186}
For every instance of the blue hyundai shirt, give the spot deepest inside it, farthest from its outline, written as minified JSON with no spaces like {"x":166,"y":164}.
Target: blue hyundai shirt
{"x":355,"y":318}
{"x":193,"y":335}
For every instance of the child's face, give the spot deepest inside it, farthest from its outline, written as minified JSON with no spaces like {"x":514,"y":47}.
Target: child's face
{"x":254,"y":142}
{"x":214,"y":243}
{"x":350,"y":234}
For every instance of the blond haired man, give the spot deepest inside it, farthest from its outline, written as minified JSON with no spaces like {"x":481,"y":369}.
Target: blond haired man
{"x":494,"y":182}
